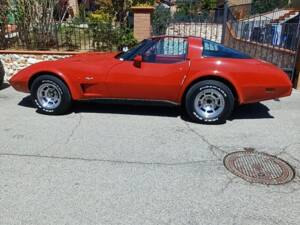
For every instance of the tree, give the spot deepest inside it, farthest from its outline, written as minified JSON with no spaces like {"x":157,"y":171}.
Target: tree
{"x":34,"y":20}
{"x":161,"y":20}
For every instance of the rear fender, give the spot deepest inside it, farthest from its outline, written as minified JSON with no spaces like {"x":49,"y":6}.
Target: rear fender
{"x":211,"y":75}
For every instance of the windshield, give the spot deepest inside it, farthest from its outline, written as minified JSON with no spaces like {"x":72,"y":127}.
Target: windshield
{"x":132,"y":52}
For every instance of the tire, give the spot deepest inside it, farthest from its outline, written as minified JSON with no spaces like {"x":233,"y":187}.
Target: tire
{"x":209,"y":102}
{"x":2,"y":73}
{"x":47,"y":88}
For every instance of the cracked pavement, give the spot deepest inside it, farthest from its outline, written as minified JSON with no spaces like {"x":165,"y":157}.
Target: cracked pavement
{"x":127,"y":164}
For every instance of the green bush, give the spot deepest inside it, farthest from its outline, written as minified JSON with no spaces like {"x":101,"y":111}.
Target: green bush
{"x":124,"y":38}
{"x":106,"y":37}
{"x":102,"y":34}
{"x":100,"y":17}
{"x":161,"y":20}
{"x":67,"y":33}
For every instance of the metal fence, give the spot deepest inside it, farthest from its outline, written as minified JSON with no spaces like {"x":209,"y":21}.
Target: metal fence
{"x":68,"y":36}
{"x":279,"y":28}
{"x":207,"y":24}
{"x":273,"y":36}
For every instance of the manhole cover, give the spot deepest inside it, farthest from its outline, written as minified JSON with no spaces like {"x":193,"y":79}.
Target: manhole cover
{"x":256,"y":167}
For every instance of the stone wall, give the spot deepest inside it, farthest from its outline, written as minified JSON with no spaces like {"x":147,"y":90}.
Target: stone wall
{"x":13,"y":62}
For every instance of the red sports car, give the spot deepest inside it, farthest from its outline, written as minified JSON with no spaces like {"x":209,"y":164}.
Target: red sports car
{"x":207,"y":78}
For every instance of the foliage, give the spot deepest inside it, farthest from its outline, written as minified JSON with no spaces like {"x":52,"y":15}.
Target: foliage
{"x":119,"y":9}
{"x":106,"y":37}
{"x":209,"y":4}
{"x":192,"y":9}
{"x":161,"y":19}
{"x":143,"y":2}
{"x":100,"y":16}
{"x":35,"y":15}
{"x":82,"y":14}
{"x":5,"y":7}
{"x":262,"y":6}
{"x":38,"y":30}
{"x":67,"y":32}
{"x":124,"y":38}
{"x":148,"y":4}
{"x":102,"y":36}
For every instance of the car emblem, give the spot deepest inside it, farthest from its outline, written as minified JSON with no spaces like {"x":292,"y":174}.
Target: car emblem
{"x":89,"y":78}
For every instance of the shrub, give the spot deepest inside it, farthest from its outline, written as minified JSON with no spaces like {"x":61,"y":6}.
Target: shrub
{"x":161,"y":20}
{"x":124,"y":38}
{"x":4,"y":5}
{"x":102,"y":36}
{"x":100,"y":17}
{"x":67,"y":32}
{"x":106,"y":37}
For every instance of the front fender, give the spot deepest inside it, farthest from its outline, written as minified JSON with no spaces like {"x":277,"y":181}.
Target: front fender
{"x":21,"y":81}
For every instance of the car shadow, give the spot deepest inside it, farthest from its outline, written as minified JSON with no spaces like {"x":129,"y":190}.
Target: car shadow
{"x":26,"y":102}
{"x":251,"y":111}
{"x":126,"y":108}
{"x":4,"y":86}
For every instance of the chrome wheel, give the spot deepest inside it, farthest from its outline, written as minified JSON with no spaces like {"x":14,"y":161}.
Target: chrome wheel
{"x":49,"y":96}
{"x":209,"y":103}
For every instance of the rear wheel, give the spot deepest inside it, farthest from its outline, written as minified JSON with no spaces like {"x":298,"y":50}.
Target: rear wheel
{"x":209,"y":102}
{"x":51,"y":95}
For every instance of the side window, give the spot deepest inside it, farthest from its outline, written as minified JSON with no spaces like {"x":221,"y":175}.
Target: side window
{"x":213,"y":49}
{"x":166,"y":50}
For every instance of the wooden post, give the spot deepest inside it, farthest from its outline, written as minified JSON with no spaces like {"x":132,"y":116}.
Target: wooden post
{"x":142,"y":22}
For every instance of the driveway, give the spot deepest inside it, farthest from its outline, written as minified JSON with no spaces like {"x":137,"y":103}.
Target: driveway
{"x":114,"y":164}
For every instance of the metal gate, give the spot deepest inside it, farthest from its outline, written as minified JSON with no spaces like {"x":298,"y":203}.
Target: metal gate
{"x":273,"y":36}
{"x":186,"y":18}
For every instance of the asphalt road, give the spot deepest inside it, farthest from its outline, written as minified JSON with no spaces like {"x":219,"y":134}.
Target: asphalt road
{"x":118,"y":164}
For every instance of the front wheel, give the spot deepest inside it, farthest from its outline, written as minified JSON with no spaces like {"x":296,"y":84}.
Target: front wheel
{"x":209,"y":102}
{"x":50,"y":95}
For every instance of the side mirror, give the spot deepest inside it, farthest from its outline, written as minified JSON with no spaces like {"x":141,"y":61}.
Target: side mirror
{"x":138,"y":61}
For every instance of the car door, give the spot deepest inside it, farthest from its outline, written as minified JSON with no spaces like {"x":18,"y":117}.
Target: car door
{"x":159,"y":77}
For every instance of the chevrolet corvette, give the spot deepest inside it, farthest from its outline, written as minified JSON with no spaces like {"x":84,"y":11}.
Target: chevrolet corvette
{"x":206,"y":78}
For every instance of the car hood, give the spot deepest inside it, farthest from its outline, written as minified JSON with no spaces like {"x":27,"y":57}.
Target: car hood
{"x":76,"y":64}
{"x":89,"y":57}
